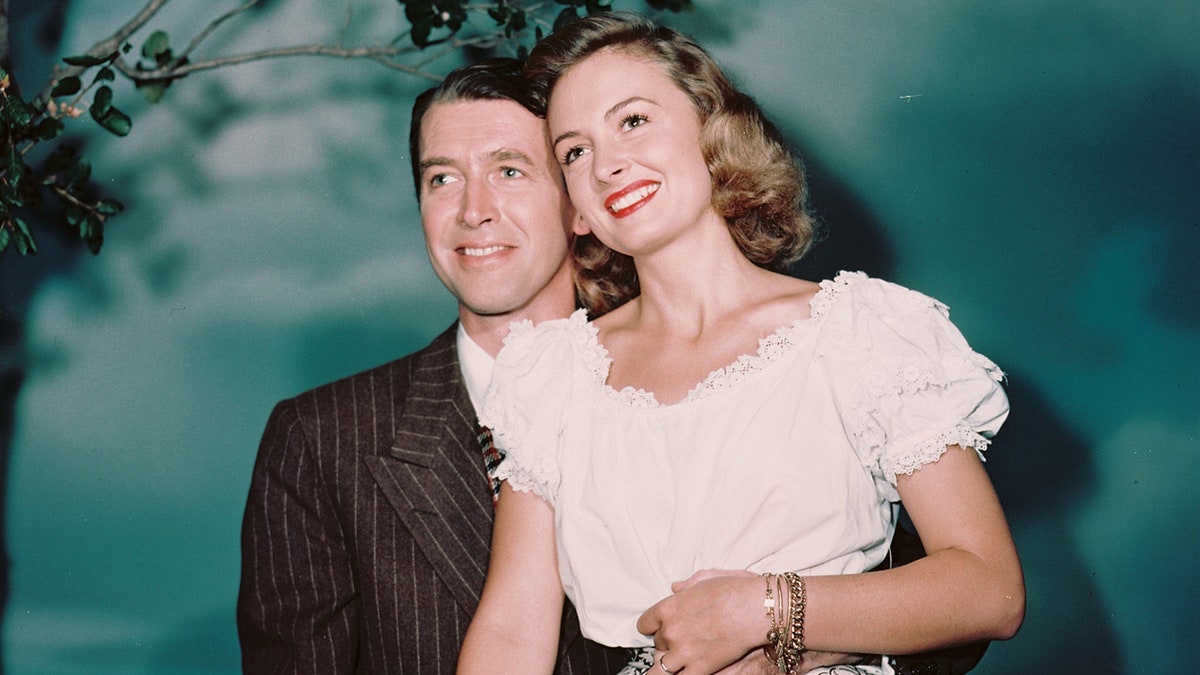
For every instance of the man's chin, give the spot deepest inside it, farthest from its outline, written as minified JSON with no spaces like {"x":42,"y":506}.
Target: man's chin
{"x":494,"y":307}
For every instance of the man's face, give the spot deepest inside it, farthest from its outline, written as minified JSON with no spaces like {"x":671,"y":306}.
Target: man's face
{"x":496,"y":218}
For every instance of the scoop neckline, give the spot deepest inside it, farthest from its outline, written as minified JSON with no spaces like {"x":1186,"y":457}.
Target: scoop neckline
{"x":771,"y":348}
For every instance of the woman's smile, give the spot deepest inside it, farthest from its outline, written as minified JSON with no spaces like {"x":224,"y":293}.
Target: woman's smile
{"x":631,"y":198}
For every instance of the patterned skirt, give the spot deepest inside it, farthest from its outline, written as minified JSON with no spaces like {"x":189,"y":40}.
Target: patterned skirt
{"x":641,"y":660}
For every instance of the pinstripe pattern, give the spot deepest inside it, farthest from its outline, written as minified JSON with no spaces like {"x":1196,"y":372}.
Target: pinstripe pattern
{"x":366,"y":533}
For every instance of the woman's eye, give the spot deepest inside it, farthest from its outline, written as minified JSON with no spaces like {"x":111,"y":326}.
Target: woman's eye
{"x":572,"y":155}
{"x":633,"y":121}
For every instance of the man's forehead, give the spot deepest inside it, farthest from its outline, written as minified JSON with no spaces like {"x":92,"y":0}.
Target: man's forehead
{"x":488,"y":128}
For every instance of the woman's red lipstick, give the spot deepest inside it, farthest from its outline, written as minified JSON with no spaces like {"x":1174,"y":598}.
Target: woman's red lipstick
{"x":631,"y":197}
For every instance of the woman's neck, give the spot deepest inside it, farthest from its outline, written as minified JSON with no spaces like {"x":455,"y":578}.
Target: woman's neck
{"x":685,"y":287}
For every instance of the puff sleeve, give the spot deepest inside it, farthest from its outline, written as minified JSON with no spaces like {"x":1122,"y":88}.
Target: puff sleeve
{"x":527,"y":404}
{"x":914,"y":386}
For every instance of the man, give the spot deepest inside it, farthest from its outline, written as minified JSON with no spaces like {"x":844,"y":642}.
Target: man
{"x":366,"y":533}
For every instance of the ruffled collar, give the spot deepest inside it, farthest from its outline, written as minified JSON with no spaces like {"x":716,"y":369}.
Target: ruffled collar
{"x":771,"y":348}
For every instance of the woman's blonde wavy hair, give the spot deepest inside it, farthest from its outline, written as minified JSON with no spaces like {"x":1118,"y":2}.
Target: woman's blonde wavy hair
{"x":758,"y":184}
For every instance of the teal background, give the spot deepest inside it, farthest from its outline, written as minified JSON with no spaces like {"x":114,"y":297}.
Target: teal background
{"x":1034,"y":163}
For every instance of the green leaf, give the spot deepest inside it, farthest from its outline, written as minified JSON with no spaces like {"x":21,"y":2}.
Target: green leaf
{"x":102,"y":102}
{"x":66,"y":86}
{"x":565,"y":17}
{"x":109,"y":207}
{"x":117,"y":122}
{"x":157,"y":44}
{"x":10,"y":196}
{"x":670,"y":5}
{"x":107,"y":116}
{"x":516,"y":23}
{"x":78,"y":173}
{"x":14,"y":167}
{"x":25,"y":243}
{"x":16,"y":112}
{"x":105,"y":74}
{"x":84,"y":61}
{"x":153,"y":92}
{"x":49,"y":128}
{"x":420,"y":33}
{"x":93,"y":232}
{"x":87,"y":226}
{"x":5,"y":237}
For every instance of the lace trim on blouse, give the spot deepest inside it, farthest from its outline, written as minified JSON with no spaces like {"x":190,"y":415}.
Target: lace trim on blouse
{"x":771,"y":348}
{"x":535,"y":472}
{"x":907,"y":379}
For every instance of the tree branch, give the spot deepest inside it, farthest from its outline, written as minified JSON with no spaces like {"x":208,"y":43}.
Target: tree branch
{"x":106,"y":46}
{"x":212,"y":26}
{"x":175,"y":71}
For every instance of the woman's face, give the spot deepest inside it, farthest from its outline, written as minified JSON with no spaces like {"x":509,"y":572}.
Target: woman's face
{"x":628,"y":140}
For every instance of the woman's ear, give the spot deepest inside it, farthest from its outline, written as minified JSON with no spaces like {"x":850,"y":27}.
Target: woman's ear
{"x":579,"y":227}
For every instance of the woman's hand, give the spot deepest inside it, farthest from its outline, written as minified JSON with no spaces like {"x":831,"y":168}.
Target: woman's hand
{"x":716,"y":623}
{"x":712,"y":620}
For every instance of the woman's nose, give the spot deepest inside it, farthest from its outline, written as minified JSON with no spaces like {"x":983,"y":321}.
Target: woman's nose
{"x":608,"y":163}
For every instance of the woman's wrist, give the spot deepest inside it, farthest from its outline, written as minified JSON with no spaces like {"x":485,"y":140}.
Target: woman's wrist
{"x":785,"y":599}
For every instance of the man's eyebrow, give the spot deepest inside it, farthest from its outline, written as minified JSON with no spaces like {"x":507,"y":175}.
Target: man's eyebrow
{"x":508,"y":155}
{"x":434,"y":161}
{"x":608,"y":114}
{"x":500,"y":155}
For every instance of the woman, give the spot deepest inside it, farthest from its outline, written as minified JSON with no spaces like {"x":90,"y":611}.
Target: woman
{"x":723,"y":416}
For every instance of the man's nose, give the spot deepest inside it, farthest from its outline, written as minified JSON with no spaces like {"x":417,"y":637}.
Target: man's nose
{"x":479,"y":204}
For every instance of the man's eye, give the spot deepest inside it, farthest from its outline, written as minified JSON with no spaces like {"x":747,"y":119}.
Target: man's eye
{"x":633,"y":121}
{"x":509,"y":172}
{"x":439,"y":179}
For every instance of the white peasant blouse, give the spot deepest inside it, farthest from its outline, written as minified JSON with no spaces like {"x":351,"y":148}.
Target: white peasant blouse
{"x":784,"y":460}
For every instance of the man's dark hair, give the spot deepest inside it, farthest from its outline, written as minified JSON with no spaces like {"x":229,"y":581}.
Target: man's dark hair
{"x":489,"y":80}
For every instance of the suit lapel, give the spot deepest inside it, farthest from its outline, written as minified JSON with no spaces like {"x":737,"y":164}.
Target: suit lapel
{"x":433,"y":476}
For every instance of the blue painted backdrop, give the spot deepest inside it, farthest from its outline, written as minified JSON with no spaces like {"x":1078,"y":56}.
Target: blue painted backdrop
{"x":1034,"y":163}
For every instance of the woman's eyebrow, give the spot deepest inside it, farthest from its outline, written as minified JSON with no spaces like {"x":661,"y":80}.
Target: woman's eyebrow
{"x":620,"y":105}
{"x":626,"y":103}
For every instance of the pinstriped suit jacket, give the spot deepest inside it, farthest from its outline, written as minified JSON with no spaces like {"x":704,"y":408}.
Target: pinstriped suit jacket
{"x":366,"y":533}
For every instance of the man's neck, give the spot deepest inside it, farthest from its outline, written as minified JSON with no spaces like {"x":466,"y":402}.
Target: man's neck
{"x":489,"y":331}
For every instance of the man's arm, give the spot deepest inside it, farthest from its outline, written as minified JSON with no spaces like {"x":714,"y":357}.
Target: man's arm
{"x":296,"y":609}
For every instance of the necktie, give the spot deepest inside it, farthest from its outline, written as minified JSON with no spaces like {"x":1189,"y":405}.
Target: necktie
{"x":491,"y":459}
